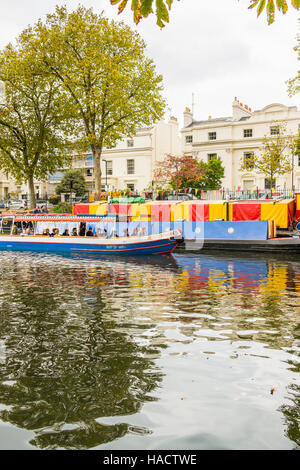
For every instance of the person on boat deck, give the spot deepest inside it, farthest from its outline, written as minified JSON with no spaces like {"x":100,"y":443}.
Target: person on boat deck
{"x":89,"y":233}
{"x":74,"y":232}
{"x":15,"y":229}
{"x":135,"y":232}
{"x":27,"y":228}
{"x":99,"y":232}
{"x":44,"y":210}
{"x":46,"y":232}
{"x":66,"y":233}
{"x":37,"y":210}
{"x":82,"y":230}
{"x":55,"y":232}
{"x":114,"y":234}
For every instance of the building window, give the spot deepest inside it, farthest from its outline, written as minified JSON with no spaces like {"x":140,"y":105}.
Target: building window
{"x":248,"y":184}
{"x":274,"y":130}
{"x":188,"y":139}
{"x":248,"y":160}
{"x":268,"y":184}
{"x":130,"y":143}
{"x":210,"y":156}
{"x":247,"y":132}
{"x":89,"y":172}
{"x":109,"y":168}
{"x":130,"y":167}
{"x":89,"y":160}
{"x":212,"y":136}
{"x":130,"y":186}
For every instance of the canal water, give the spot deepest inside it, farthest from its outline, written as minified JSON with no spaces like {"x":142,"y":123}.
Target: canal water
{"x":192,"y":351}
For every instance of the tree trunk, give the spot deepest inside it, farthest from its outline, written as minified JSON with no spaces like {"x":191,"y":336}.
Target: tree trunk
{"x":97,"y":151}
{"x":32,"y":197}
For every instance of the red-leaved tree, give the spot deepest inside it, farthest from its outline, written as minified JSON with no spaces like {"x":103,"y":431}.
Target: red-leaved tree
{"x":179,"y":172}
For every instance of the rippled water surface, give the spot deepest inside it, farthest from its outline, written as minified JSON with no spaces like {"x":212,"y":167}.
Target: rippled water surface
{"x":182,"y":352}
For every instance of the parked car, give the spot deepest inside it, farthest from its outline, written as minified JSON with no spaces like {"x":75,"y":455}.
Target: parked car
{"x":16,"y":204}
{"x":181,"y":197}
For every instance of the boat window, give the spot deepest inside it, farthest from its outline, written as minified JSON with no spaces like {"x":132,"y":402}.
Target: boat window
{"x":6,"y":225}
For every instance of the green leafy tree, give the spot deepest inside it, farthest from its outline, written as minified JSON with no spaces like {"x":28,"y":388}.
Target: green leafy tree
{"x":214,"y":174}
{"x":72,"y":181}
{"x":187,"y":172}
{"x":32,"y":117}
{"x":142,"y":8}
{"x":274,"y":158}
{"x":102,"y":66}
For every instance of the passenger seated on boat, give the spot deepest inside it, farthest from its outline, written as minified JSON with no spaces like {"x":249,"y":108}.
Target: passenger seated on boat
{"x":55,"y":232}
{"x":46,"y":232}
{"x":14,"y":229}
{"x":74,"y":232}
{"x":66,"y":233}
{"x":82,"y":230}
{"x":89,"y":233}
{"x":135,"y":232}
{"x":114,"y":234}
{"x":99,"y":232}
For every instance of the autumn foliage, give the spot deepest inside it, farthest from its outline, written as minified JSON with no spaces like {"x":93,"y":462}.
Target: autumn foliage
{"x":179,"y":172}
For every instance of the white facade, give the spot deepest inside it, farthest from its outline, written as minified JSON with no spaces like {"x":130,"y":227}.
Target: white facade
{"x":8,"y":186}
{"x":232,"y":138}
{"x":131,"y":163}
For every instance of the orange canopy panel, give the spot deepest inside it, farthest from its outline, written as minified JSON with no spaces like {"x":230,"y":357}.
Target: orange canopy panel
{"x":280,"y":211}
{"x":297,"y":205}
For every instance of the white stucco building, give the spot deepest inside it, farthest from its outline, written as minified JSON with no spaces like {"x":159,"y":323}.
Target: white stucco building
{"x":234,"y":138}
{"x":8,"y":186}
{"x":131,"y":163}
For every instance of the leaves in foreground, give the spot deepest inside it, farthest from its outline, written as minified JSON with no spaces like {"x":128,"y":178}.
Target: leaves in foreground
{"x":142,"y":8}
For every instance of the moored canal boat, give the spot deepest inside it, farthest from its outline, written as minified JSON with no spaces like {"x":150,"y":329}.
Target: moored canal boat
{"x":30,"y":232}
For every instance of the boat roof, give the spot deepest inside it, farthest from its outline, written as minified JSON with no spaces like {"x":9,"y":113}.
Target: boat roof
{"x":60,"y":218}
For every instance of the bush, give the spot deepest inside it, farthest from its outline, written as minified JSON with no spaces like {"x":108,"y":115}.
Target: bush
{"x":54,"y":199}
{"x":63,"y":208}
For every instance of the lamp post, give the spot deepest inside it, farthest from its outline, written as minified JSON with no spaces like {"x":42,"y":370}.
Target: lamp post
{"x":106,"y":187}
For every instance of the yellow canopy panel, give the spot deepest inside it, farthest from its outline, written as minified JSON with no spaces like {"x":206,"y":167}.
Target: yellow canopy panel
{"x":101,"y":209}
{"x":217,"y":211}
{"x":141,"y":211}
{"x":278,"y":211}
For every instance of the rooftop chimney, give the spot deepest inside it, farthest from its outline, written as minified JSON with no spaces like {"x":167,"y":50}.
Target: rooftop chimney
{"x":187,"y":117}
{"x":239,"y":110}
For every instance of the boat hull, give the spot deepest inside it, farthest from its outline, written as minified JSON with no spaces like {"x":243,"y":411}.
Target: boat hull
{"x":152,"y":246}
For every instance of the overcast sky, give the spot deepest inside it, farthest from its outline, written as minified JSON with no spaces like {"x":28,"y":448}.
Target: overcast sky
{"x":215,"y":49}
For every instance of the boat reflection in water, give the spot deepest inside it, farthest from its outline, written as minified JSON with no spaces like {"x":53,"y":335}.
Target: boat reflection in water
{"x":154,"y":353}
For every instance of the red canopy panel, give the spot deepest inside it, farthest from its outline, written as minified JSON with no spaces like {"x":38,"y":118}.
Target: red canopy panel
{"x":81,"y":209}
{"x":242,"y":211}
{"x":161,"y":212}
{"x":120,"y":208}
{"x":199,"y":212}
